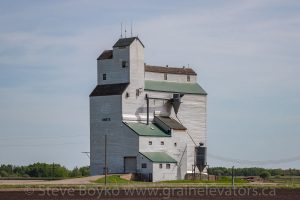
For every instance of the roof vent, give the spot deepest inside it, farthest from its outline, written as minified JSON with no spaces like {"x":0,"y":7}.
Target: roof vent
{"x":167,"y":65}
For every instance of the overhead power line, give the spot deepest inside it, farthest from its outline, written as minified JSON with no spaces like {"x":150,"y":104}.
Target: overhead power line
{"x":38,"y":145}
{"x":40,"y":137}
{"x":254,"y":162}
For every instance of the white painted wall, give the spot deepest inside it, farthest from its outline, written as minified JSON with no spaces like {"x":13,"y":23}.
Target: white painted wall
{"x":121,"y":142}
{"x":132,"y":104}
{"x":177,"y":152}
{"x":179,"y":78}
{"x":192,"y":113}
{"x":158,"y":174}
{"x":142,"y":159}
{"x":164,"y":174}
{"x":113,"y":69}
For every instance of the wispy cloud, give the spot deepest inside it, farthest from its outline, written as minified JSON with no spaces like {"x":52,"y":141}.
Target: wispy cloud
{"x":245,"y":53}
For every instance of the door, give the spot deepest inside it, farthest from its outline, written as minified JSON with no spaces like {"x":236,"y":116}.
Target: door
{"x":129,"y":164}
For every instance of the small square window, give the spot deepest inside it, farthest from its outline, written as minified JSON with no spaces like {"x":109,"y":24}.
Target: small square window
{"x":160,"y":166}
{"x":150,"y":142}
{"x":124,"y":64}
{"x":144,"y":165}
{"x":165,"y":76}
{"x":104,"y":76}
{"x":162,"y":143}
{"x":188,"y":78}
{"x":168,"y":166}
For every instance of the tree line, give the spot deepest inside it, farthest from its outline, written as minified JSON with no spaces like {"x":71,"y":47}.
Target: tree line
{"x":252,"y":171}
{"x":42,"y":170}
{"x":45,"y":170}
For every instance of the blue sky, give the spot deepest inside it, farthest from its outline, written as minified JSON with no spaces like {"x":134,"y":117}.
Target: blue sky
{"x":246,"y":54}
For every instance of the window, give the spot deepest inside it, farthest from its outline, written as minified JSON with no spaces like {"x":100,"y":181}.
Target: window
{"x":150,"y":142}
{"x":144,"y":165}
{"x":104,"y":77}
{"x":160,"y":166}
{"x":127,"y":94}
{"x":162,"y":143}
{"x":168,"y":166}
{"x":124,"y":64}
{"x":165,"y":76}
{"x":175,"y":144}
{"x":139,"y":91}
{"x":188,"y":78}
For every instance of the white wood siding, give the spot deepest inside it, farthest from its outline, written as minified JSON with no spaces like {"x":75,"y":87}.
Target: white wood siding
{"x":178,"y":152}
{"x":132,"y":104}
{"x":121,"y":142}
{"x":158,"y":174}
{"x":179,"y":78}
{"x":192,"y":113}
{"x":142,"y":159}
{"x":113,"y":69}
{"x":164,"y":174}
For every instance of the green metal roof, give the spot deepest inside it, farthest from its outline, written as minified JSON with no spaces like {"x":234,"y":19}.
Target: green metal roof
{"x":185,"y":88}
{"x":146,"y":130}
{"x":159,"y":157}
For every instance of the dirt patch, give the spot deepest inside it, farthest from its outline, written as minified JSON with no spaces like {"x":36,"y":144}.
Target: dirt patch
{"x":165,"y":193}
{"x":73,"y":181}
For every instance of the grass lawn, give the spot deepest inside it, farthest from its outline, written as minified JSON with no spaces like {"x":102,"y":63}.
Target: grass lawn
{"x":118,"y":179}
{"x":113,"y":179}
{"x":286,"y":180}
{"x":223,"y":182}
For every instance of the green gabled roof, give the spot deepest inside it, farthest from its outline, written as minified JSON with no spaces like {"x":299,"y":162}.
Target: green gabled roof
{"x":159,"y":157}
{"x":143,"y":129}
{"x":184,"y":88}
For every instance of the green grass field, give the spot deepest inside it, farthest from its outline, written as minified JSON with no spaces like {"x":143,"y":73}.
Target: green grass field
{"x":286,"y":180}
{"x":114,"y":181}
{"x":117,"y":179}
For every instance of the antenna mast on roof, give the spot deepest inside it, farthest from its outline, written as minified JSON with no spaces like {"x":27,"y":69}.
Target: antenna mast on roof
{"x":125,"y":30}
{"x":121,"y":29}
{"x":131,"y":28}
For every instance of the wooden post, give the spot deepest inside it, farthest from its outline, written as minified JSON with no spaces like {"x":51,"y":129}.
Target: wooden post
{"x":53,"y":171}
{"x":207,"y":172}
{"x":105,"y":159}
{"x":232,"y":175}
{"x":147,"y":99}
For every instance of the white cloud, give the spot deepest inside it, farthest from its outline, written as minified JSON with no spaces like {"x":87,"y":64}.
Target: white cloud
{"x":243,"y":51}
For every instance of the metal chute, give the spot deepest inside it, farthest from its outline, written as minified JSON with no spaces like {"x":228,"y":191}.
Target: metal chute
{"x":175,"y":101}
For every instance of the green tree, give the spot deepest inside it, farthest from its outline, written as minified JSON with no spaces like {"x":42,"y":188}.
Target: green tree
{"x":265,"y":175}
{"x":85,"y":171}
